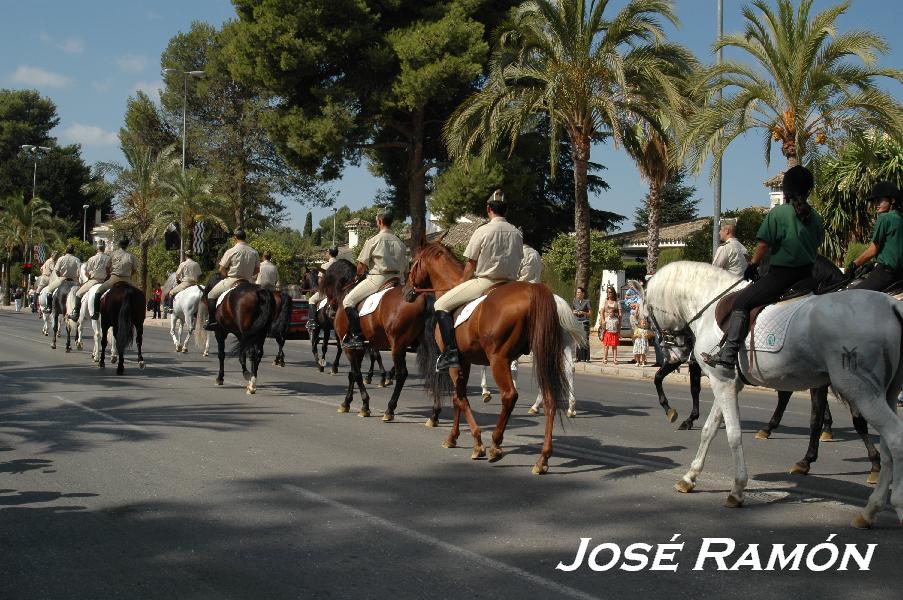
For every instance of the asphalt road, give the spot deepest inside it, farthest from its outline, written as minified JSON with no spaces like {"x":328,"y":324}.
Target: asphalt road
{"x":158,"y":484}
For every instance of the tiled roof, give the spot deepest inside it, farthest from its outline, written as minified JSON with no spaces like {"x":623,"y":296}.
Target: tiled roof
{"x":775,"y":182}
{"x":459,"y":233}
{"x":675,"y":232}
{"x":357,"y":222}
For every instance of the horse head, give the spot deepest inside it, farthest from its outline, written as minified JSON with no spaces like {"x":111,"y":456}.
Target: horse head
{"x":433,"y":262}
{"x":336,"y":279}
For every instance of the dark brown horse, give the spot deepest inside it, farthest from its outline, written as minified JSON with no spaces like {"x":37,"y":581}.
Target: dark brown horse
{"x":248,"y":313}
{"x":123,"y":309}
{"x":397,"y":326}
{"x":515,"y":319}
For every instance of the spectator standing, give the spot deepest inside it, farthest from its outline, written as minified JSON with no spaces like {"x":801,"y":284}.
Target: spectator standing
{"x":17,"y":298}
{"x":610,"y":332}
{"x":157,"y":299}
{"x":581,"y":310}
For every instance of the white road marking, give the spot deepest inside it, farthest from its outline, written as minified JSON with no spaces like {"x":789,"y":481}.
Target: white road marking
{"x":559,"y":589}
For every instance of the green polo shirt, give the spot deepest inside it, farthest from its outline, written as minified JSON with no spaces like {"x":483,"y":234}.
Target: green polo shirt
{"x":888,"y":236}
{"x":793,"y":243}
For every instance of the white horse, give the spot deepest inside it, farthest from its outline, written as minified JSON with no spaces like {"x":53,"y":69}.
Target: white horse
{"x":572,"y":341}
{"x":863,"y":363}
{"x":185,"y":314}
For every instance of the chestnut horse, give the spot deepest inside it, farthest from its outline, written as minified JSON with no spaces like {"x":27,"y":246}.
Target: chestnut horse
{"x":122,"y":308}
{"x":396,"y":325}
{"x":516,"y":318}
{"x":248,"y":313}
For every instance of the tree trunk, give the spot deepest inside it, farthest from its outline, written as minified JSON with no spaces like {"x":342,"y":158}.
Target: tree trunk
{"x":580,"y":158}
{"x":142,"y":264}
{"x":417,"y":183}
{"x":654,"y":224}
{"x":6,"y":278}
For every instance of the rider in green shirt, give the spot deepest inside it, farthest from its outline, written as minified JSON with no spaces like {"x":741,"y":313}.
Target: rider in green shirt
{"x":792,"y":232}
{"x":887,"y":240}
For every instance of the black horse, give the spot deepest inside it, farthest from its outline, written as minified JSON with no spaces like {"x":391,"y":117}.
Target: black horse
{"x":325,"y":328}
{"x":247,"y":313}
{"x":123,"y":309}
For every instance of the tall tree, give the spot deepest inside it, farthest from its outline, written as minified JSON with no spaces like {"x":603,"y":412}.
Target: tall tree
{"x":807,"y":82}
{"x":186,"y":198}
{"x":23,"y":223}
{"x":568,"y":60}
{"x":356,"y":77}
{"x":308,"y":224}
{"x":678,"y":202}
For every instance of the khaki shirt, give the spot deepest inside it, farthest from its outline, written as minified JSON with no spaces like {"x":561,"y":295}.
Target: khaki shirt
{"x":123,"y":263}
{"x":67,"y":267}
{"x":47,"y":267}
{"x":384,"y":254}
{"x":498,"y":248}
{"x":530,"y":266}
{"x":188,"y":270}
{"x":268,"y":275}
{"x":241,"y":261}
{"x":731,"y":256}
{"x":97,"y":265}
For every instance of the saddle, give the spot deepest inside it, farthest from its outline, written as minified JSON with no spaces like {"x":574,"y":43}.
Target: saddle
{"x":725,"y":306}
{"x":463,"y":312}
{"x":389,"y":283}
{"x":113,"y":287}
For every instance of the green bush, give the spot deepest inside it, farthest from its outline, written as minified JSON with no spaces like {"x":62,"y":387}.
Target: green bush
{"x":160,"y":263}
{"x":562,"y":255}
{"x":670,"y":255}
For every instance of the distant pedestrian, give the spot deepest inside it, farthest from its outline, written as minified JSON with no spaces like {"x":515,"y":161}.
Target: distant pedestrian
{"x":641,"y":335}
{"x":610,"y":332}
{"x":17,"y":298}
{"x":157,"y":298}
{"x":581,"y":310}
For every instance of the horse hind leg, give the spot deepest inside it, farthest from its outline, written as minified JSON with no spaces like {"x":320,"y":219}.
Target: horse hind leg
{"x":827,"y":428}
{"x":484,"y":384}
{"x":401,"y":370}
{"x":255,"y":353}
{"x":139,"y":338}
{"x":775,"y":421}
{"x":819,"y":399}
{"x":501,"y":372}
{"x":862,"y":429}
{"x":357,"y":360}
{"x":663,"y":371}
{"x":695,"y":389}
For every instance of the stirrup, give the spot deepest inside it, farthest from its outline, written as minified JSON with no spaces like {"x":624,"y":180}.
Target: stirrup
{"x":311,"y":325}
{"x":715,"y":360}
{"x":353,"y":342}
{"x":447,"y":360}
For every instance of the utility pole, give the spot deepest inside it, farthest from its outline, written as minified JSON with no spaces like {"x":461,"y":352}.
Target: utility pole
{"x":716,"y":221}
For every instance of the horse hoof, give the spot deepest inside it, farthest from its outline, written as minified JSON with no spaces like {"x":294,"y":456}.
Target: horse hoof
{"x":219,"y":381}
{"x":671,"y":415}
{"x":334,"y":372}
{"x":449,"y":444}
{"x":571,"y":413}
{"x":487,"y":396}
{"x":364,"y":412}
{"x":46,"y":334}
{"x":532,"y":411}
{"x":686,"y":425}
{"x":873,"y":477}
{"x":430,"y":423}
{"x":206,"y":353}
{"x":384,"y":383}
{"x":388,"y":417}
{"x":53,"y":346}
{"x":799,"y":469}
{"x":68,"y":350}
{"x":733,"y":502}
{"x":763,"y":434}
{"x":860,"y":522}
{"x":388,"y":382}
{"x":683,"y":486}
{"x":826,"y":436}
{"x":366,"y":381}
{"x":495,"y":454}
{"x":478,"y":453}
{"x":79,"y":346}
{"x":320,"y":369}
{"x":184,"y":349}
{"x":141,"y":364}
{"x":540,"y":469}
{"x":178,"y":349}
{"x":250,"y":391}
{"x":343,"y":408}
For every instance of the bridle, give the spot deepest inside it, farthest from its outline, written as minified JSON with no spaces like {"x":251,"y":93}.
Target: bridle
{"x":680,"y":338}
{"x":413,"y":291}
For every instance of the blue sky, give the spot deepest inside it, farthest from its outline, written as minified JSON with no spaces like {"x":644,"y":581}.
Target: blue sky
{"x":90,"y":56}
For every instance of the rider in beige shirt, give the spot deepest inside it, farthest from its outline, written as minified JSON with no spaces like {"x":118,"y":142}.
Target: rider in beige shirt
{"x":493,"y":255}
{"x":316,"y":297}
{"x":122,"y":267}
{"x":381,"y":259}
{"x":187,"y":274}
{"x":268,"y":275}
{"x":46,"y":274}
{"x":96,"y":269}
{"x":530,"y":266}
{"x":64,"y":269}
{"x":239,"y":263}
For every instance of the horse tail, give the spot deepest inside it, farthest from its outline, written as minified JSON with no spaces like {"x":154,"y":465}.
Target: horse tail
{"x":898,"y":377}
{"x":547,"y":345}
{"x":124,"y":333}
{"x":574,"y":334}
{"x":200,"y":323}
{"x":266,"y":306}
{"x":279,"y":327}
{"x":439,"y":385}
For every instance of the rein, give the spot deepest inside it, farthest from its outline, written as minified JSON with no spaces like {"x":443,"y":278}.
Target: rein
{"x":668,"y":337}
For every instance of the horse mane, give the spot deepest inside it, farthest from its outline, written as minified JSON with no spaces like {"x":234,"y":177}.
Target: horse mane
{"x":337,"y":277}
{"x":685,"y":284}
{"x":438,"y":250}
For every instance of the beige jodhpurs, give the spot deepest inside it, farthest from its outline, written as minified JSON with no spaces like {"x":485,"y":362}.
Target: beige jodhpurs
{"x":87,"y":286}
{"x":114,"y":279}
{"x":220,"y":288}
{"x":184,"y":285}
{"x":463,"y":293}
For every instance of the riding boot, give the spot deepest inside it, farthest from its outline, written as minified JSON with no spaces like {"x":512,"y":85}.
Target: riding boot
{"x":449,"y":357}
{"x":211,"y":315}
{"x":48,"y":303}
{"x":76,"y":309}
{"x":96,"y":314}
{"x":354,"y":339}
{"x":726,"y":356}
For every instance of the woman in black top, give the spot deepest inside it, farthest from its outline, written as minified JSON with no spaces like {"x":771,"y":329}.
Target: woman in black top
{"x":581,"y":312}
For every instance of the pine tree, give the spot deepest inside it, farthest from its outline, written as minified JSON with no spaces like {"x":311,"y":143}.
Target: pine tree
{"x":308,"y":225}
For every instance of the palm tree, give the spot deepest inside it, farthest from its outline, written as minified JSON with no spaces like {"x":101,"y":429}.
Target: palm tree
{"x":187,"y":199}
{"x":808,"y":83}
{"x":137,"y":187}
{"x":22,"y":223}
{"x":844,"y":178}
{"x":566,"y":60}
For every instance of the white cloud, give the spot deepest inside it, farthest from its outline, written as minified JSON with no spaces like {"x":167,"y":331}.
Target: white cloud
{"x":102,"y":87}
{"x":88,"y":135}
{"x":38,"y":77}
{"x":151,"y":88}
{"x":69,"y":45}
{"x":132,"y":63}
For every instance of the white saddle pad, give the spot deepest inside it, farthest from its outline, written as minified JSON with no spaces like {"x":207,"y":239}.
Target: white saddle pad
{"x":468,"y":310}
{"x":371,"y":302}
{"x":772,"y":325}
{"x":322,"y":303}
{"x":223,"y":297}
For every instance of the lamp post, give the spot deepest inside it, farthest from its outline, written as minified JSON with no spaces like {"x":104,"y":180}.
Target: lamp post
{"x":333,"y":226}
{"x":34,"y":149}
{"x":85,"y":222}
{"x":186,"y":75}
{"x":716,"y":223}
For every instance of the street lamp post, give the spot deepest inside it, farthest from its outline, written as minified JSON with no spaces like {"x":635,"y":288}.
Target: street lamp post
{"x":34,"y":149}
{"x":85,"y":222}
{"x":333,"y":227}
{"x":716,"y":223}
{"x":186,"y":74}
